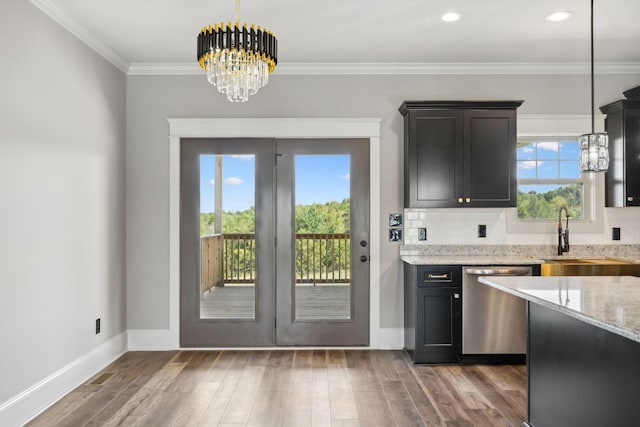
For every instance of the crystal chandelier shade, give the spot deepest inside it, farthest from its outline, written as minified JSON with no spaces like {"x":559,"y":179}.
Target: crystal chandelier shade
{"x":594,"y":147}
{"x":594,"y":152}
{"x":237,"y":59}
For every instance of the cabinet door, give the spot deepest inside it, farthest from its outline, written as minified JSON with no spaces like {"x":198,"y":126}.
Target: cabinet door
{"x":433,"y":153}
{"x":490,"y":158}
{"x":632,"y":157}
{"x":438,"y":325}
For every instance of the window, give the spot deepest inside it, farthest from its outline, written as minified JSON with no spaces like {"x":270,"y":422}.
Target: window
{"x":549,"y":176}
{"x":547,"y":155}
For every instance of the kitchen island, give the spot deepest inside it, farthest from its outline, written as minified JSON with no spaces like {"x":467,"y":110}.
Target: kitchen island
{"x":583,"y":350}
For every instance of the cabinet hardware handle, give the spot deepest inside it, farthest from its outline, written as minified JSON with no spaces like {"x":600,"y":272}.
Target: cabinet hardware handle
{"x":459,"y":199}
{"x":630,"y":199}
{"x":456,"y":296}
{"x":468,"y":200}
{"x":438,"y":276}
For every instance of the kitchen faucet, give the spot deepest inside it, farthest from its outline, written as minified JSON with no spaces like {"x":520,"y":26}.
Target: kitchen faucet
{"x":563,"y":235}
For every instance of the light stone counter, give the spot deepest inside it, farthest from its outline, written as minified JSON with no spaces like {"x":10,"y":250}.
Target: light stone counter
{"x":469,"y":260}
{"x":608,"y":302}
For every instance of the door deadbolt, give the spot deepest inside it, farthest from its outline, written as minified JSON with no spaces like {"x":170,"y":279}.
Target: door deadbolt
{"x":364,"y":258}
{"x":363,"y":243}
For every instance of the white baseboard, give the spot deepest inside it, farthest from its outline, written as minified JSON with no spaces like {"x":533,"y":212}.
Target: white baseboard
{"x":391,"y":339}
{"x":23,"y":407}
{"x":152,"y":340}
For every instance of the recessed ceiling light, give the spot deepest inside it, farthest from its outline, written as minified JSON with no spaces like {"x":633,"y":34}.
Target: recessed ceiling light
{"x":450,"y":17}
{"x":563,"y":15}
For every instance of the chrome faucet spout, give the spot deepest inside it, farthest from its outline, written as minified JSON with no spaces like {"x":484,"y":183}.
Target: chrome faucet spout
{"x":563,"y":235}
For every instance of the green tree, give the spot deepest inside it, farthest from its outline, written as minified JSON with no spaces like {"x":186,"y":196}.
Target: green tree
{"x":534,"y":205}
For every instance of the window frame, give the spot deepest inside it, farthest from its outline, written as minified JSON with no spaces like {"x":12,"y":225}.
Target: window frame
{"x":545,"y":127}
{"x":587,"y":183}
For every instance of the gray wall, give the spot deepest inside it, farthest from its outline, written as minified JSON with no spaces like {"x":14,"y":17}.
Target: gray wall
{"x":62,"y":186}
{"x":153,"y":99}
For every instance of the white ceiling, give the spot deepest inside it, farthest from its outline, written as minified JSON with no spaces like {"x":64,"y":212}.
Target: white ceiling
{"x":351,"y":32}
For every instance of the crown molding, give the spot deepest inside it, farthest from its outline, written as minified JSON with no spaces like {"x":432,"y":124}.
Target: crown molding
{"x":405,"y":68}
{"x":53,"y":11}
{"x":49,"y":8}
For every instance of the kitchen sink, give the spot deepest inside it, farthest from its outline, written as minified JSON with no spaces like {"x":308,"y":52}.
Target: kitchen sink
{"x":601,"y":261}
{"x":588,"y":267}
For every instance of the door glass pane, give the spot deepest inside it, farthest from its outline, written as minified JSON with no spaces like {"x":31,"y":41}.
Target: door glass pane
{"x":322,"y":244}
{"x":227,"y":237}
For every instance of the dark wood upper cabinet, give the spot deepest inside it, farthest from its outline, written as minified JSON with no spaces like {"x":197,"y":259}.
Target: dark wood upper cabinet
{"x":460,"y":154}
{"x":622,"y":180}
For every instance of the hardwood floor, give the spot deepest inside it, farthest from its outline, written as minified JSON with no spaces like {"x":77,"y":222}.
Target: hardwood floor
{"x":291,"y":388}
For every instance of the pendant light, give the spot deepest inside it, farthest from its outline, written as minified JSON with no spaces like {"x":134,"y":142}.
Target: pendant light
{"x":594,"y":147}
{"x":237,"y":58}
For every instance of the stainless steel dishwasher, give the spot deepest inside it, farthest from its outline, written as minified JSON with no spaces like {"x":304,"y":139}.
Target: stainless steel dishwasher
{"x":493,"y":322}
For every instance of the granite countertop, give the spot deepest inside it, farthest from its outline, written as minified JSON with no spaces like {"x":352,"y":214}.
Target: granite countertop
{"x":608,"y":302}
{"x":469,"y":260}
{"x":461,"y":259}
{"x":512,"y":254}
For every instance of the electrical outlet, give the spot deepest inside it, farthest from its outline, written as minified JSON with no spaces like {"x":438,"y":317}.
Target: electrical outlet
{"x":97,"y":326}
{"x":615,"y":233}
{"x":422,"y":234}
{"x":482,"y":230}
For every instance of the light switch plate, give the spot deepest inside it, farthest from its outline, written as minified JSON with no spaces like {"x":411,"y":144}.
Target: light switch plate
{"x":482,"y":230}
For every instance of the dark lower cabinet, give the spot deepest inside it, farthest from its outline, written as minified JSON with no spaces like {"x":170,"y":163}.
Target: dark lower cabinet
{"x":433,"y":313}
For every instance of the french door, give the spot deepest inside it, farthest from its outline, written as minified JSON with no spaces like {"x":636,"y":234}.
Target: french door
{"x":274,"y":242}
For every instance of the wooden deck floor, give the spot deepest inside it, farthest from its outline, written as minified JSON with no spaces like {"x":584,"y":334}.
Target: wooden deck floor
{"x":291,"y":388}
{"x":312,"y":302}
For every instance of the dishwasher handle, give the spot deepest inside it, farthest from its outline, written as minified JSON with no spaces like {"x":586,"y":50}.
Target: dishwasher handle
{"x":499,"y":271}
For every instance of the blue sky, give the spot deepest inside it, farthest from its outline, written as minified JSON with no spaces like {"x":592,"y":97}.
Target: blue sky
{"x":319,"y":179}
{"x":548,"y":160}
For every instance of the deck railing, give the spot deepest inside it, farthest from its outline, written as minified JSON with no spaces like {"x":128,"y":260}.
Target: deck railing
{"x":320,"y":258}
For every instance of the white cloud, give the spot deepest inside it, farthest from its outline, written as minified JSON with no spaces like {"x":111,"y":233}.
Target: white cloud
{"x":346,"y":176}
{"x":243,"y":156}
{"x":550,"y":146}
{"x":212,"y":182}
{"x":528,"y":149}
{"x":529,"y":164}
{"x":233,"y":180}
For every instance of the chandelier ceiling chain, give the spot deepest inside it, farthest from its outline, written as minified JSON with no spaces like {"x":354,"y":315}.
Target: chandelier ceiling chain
{"x":238,"y":59}
{"x":594,"y":147}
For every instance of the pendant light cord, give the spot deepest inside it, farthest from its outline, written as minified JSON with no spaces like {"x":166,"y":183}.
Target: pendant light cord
{"x":592,"y":73}
{"x":238,"y":19}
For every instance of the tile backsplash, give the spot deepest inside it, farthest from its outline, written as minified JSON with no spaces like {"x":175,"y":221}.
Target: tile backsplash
{"x":460,"y":227}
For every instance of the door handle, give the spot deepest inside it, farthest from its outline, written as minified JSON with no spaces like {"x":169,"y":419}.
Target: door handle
{"x":364,"y":258}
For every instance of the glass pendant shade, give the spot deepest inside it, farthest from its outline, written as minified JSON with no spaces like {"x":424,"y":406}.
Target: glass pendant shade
{"x":594,"y":152}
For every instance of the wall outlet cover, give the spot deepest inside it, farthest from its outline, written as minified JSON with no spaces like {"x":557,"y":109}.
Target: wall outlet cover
{"x":422,"y":234}
{"x":615,"y":233}
{"x":97,"y":326}
{"x":482,"y":230}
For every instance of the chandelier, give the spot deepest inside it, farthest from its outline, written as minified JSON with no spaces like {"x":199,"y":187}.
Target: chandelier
{"x":594,"y":147}
{"x":237,"y":59}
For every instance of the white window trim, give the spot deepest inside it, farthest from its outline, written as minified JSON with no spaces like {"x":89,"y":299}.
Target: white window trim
{"x":570,"y":126}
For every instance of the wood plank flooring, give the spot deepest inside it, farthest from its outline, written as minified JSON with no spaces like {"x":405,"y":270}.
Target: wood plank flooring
{"x":291,"y":388}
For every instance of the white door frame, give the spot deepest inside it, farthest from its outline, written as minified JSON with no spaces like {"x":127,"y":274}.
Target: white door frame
{"x":272,"y":128}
